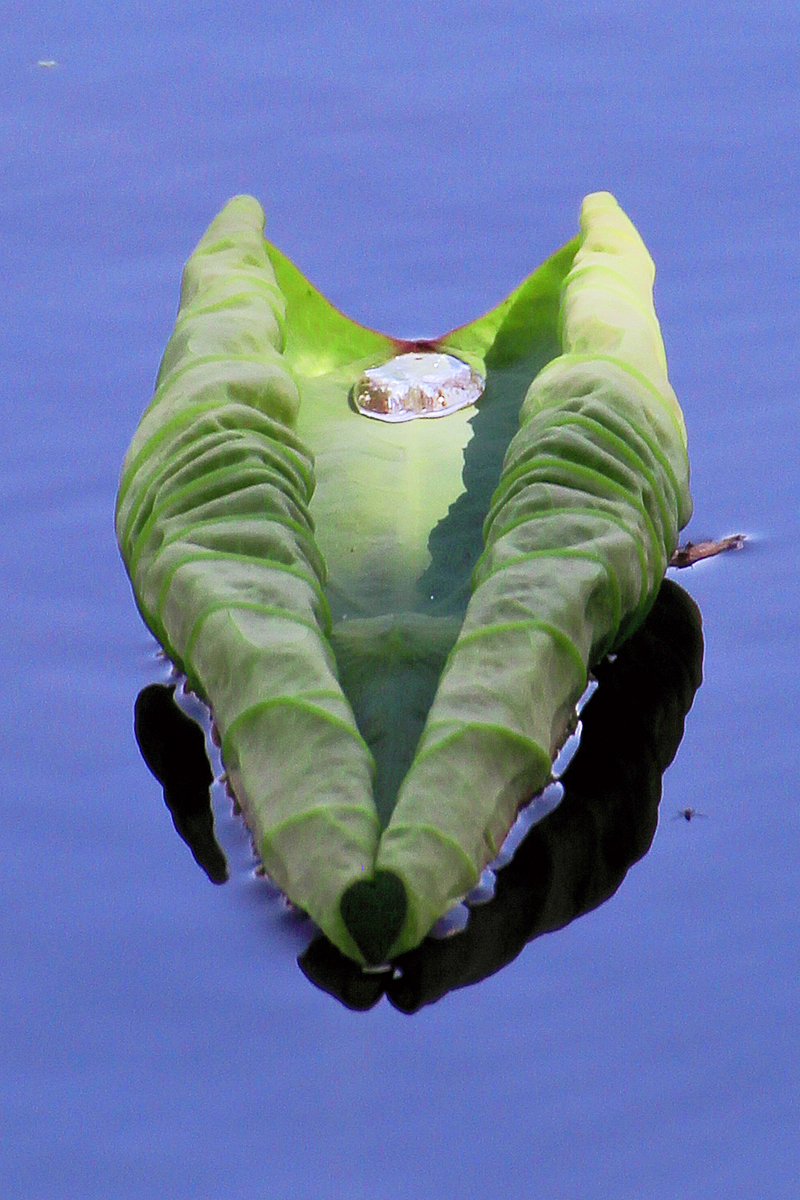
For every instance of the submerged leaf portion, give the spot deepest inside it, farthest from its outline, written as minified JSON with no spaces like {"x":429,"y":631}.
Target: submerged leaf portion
{"x":374,"y":662}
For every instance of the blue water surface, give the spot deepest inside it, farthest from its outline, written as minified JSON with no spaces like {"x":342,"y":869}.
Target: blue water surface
{"x":416,"y":161}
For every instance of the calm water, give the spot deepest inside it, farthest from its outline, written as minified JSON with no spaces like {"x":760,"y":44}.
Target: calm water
{"x":158,"y":1037}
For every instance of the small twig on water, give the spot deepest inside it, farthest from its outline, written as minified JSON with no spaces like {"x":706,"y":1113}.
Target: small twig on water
{"x":692,"y":552}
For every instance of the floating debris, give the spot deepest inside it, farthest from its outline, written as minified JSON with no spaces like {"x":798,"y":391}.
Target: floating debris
{"x":692,"y":552}
{"x":47,"y":64}
{"x":417,"y":385}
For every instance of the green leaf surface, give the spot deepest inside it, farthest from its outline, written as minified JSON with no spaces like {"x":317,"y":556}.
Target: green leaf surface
{"x":392,"y":622}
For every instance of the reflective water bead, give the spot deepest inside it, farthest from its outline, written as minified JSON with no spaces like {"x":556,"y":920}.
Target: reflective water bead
{"x":417,"y":385}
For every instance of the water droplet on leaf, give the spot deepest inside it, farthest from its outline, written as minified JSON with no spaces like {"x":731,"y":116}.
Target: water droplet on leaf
{"x":417,"y":385}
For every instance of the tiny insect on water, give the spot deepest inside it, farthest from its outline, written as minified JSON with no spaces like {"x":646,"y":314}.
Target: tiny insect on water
{"x":688,"y":814}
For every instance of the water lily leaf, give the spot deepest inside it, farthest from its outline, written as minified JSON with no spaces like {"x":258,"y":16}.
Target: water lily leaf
{"x":392,"y":619}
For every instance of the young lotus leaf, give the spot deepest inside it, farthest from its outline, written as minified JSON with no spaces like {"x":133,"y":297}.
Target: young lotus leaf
{"x":392,"y":619}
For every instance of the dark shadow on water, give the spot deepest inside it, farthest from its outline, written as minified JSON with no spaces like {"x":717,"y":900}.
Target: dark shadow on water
{"x":173,"y":747}
{"x":577,"y":857}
